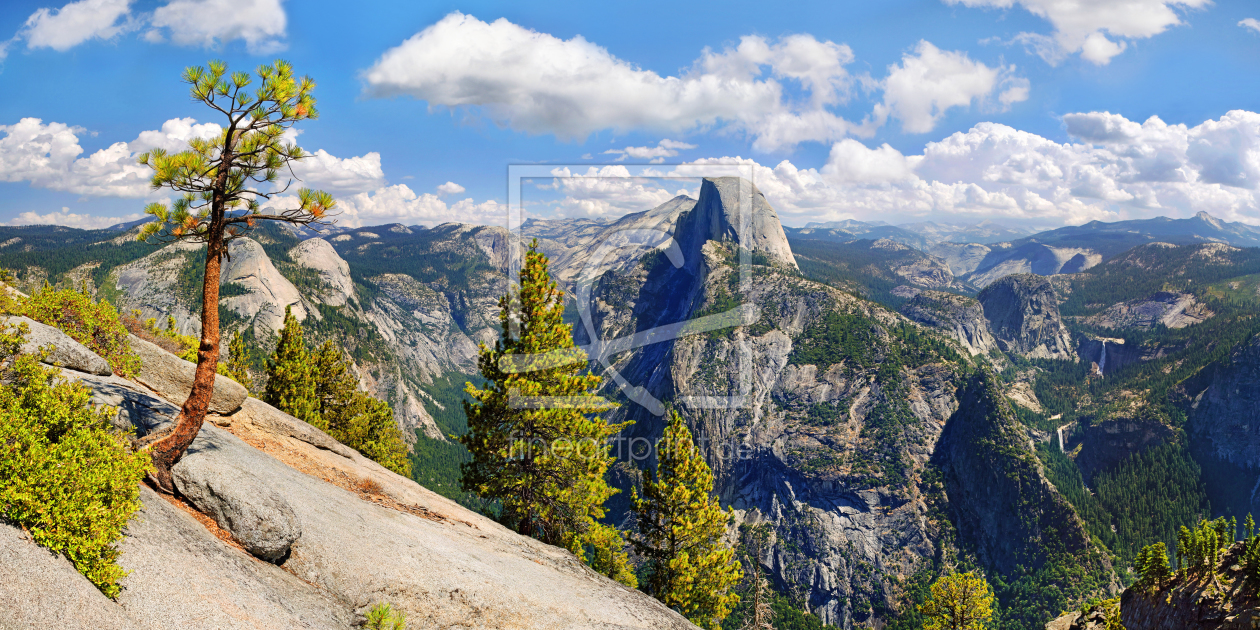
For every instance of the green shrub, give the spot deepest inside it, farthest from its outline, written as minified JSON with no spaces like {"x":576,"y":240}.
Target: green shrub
{"x":69,"y":478}
{"x":91,"y":323}
{"x":383,"y":616}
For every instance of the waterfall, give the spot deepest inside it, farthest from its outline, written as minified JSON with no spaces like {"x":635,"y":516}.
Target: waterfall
{"x":1102,"y":360}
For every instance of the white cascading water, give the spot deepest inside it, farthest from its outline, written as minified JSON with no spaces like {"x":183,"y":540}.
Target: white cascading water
{"x":1102,"y":360}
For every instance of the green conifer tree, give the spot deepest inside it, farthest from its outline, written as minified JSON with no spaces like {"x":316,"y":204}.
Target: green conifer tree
{"x":238,"y":362}
{"x":1249,"y":527}
{"x":537,"y":446}
{"x":353,"y":417}
{"x":290,"y":379}
{"x":959,"y":601}
{"x":682,"y":532}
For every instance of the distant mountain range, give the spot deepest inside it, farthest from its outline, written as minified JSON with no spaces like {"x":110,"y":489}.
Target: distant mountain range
{"x":921,"y":235}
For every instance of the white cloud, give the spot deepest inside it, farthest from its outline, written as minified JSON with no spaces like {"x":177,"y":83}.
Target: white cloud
{"x":930,"y":81}
{"x":657,"y":154}
{"x":1251,"y":23}
{"x":211,"y":23}
{"x":851,"y":162}
{"x":1119,"y":169}
{"x":605,"y":191}
{"x":64,"y":28}
{"x":70,"y":219}
{"x":400,"y":204}
{"x":450,"y":188}
{"x":1079,"y":25}
{"x":540,"y":84}
{"x":327,"y":172}
{"x":48,"y":156}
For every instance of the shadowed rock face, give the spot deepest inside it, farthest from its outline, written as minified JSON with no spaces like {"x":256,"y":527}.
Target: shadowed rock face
{"x":1023,"y":315}
{"x":960,"y":317}
{"x":729,"y":207}
{"x":1224,"y":406}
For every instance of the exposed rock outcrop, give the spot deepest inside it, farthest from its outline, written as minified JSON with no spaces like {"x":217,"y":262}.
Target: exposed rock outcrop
{"x":266,"y":292}
{"x":334,"y":273}
{"x":172,"y":378}
{"x":63,"y":351}
{"x":221,"y":482}
{"x":1173,"y":310}
{"x":921,"y":269}
{"x":729,"y":208}
{"x":1224,"y":405}
{"x":367,"y":535}
{"x":1023,"y":316}
{"x":1196,"y":601}
{"x":960,"y":317}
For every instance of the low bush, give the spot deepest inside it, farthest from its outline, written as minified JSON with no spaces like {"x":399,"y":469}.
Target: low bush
{"x":384,"y":616}
{"x":91,"y":323}
{"x":69,"y":476}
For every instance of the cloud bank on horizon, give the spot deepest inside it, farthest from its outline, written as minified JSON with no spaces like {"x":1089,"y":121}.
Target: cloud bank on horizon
{"x":777,"y":93}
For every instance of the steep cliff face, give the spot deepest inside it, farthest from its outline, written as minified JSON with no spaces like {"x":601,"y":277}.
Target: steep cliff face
{"x":1001,"y":499}
{"x":1023,"y":314}
{"x":813,"y":411}
{"x":1224,"y":405}
{"x":960,"y":317}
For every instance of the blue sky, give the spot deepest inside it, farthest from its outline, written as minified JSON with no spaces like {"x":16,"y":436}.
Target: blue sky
{"x":1031,"y":112}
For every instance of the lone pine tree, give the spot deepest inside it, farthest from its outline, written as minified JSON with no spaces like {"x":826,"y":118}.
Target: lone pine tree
{"x":223,"y":182}
{"x":958,"y":601}
{"x":682,"y":530}
{"x":537,"y":445}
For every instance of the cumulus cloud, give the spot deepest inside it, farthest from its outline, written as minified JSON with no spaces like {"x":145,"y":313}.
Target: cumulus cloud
{"x":48,"y":156}
{"x":1115,"y":169}
{"x":71,"y":25}
{"x":210,"y":23}
{"x":1250,"y":23}
{"x":657,"y":154}
{"x":1097,"y":29}
{"x":851,"y":162}
{"x":930,"y":81}
{"x":540,"y":84}
{"x":450,"y":188}
{"x":71,"y":219}
{"x":326,"y":172}
{"x":401,"y":204}
{"x":605,"y":191}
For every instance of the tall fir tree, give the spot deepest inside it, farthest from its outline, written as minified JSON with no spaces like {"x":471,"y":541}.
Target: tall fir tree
{"x":537,"y":446}
{"x":351,"y":416}
{"x":682,"y":531}
{"x":291,"y":382}
{"x":238,"y":362}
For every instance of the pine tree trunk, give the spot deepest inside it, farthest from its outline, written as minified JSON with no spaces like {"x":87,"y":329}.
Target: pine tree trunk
{"x":167,"y":451}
